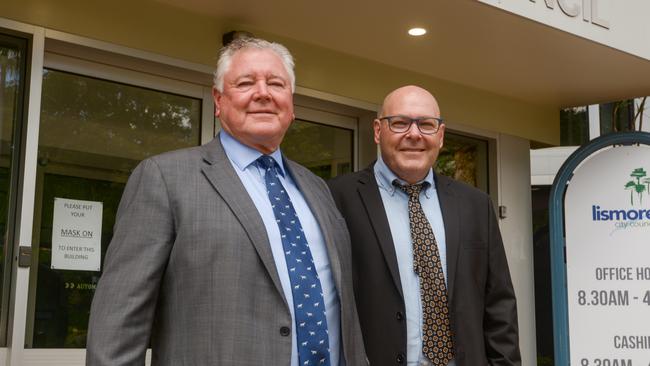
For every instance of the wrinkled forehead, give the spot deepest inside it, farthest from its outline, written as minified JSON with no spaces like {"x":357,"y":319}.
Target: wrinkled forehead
{"x":256,"y":62}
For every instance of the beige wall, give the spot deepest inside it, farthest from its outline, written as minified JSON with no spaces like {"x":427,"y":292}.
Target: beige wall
{"x":159,"y":28}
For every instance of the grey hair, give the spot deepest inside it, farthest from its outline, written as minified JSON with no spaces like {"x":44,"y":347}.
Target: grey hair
{"x":228,"y":51}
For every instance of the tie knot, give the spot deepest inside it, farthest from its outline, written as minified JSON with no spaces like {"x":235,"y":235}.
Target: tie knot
{"x":412,"y":190}
{"x":267,"y":162}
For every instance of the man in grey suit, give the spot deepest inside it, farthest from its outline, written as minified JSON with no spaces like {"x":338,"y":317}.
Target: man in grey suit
{"x":228,"y":253}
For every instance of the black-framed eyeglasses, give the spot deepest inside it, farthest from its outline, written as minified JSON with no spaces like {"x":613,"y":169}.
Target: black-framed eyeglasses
{"x":401,"y":124}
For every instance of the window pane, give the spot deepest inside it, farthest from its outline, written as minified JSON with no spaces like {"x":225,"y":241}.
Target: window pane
{"x":325,"y":150}
{"x":574,"y":126}
{"x":93,"y":133}
{"x":464,"y":158}
{"x":617,"y":116}
{"x":12,"y":76}
{"x":542,"y":269}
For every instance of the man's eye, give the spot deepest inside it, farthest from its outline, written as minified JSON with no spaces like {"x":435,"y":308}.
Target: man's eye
{"x":399,"y":123}
{"x":277,"y":84}
{"x":244,"y":84}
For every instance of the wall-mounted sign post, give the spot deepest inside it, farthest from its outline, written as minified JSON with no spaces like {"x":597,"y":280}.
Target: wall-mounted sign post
{"x":600,"y":253}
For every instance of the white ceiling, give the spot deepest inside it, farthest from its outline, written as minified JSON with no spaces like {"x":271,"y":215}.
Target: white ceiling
{"x":468,"y":43}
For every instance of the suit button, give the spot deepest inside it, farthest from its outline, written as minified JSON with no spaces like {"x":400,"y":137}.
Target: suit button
{"x":285,"y":331}
{"x":399,"y":315}
{"x":400,"y":358}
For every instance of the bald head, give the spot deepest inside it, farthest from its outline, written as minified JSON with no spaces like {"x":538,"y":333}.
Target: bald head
{"x":409,"y":154}
{"x":410,"y":95}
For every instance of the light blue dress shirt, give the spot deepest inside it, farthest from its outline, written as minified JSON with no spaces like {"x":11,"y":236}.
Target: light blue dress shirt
{"x":243,"y":160}
{"x":396,"y":205}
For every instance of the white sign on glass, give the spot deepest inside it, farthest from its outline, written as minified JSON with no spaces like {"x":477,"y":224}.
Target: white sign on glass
{"x":607,"y":225}
{"x":76,"y":235}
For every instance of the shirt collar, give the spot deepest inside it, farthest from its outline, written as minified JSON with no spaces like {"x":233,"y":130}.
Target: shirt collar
{"x":385,"y":178}
{"x":242,"y":155}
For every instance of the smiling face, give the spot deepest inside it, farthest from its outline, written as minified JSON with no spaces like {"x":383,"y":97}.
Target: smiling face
{"x":256,"y":105}
{"x":411,"y":154}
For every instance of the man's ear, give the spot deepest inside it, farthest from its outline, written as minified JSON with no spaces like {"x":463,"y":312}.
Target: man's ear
{"x":376,"y":126}
{"x":216,"y":96}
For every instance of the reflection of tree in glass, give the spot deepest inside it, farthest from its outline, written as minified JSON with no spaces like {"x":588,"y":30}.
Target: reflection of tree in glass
{"x":9,"y":71}
{"x":126,"y":114}
{"x":617,"y":116}
{"x":574,"y":126}
{"x":304,"y":142}
{"x":325,"y":150}
{"x":10,"y":74}
{"x":9,"y":81}
{"x":457,"y":159}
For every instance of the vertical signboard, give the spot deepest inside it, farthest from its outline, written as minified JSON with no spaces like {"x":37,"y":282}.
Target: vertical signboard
{"x":607,"y":229}
{"x":76,"y":235}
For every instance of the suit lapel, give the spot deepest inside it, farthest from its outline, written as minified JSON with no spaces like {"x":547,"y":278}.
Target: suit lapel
{"x":224,"y":179}
{"x":451,"y":218}
{"x":371,"y":198}
{"x":314,"y":201}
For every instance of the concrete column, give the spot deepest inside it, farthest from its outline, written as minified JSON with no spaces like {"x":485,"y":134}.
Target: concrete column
{"x":516,"y":228}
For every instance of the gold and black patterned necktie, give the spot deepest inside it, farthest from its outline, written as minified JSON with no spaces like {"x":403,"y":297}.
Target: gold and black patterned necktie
{"x":437,"y":342}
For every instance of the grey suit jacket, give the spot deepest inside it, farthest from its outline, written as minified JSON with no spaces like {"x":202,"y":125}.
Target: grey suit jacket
{"x":190,"y":270}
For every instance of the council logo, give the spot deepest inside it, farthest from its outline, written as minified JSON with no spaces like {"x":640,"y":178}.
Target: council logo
{"x":632,"y":215}
{"x":638,"y":186}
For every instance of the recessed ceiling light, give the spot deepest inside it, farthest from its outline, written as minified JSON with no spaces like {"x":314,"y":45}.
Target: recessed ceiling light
{"x":417,"y":31}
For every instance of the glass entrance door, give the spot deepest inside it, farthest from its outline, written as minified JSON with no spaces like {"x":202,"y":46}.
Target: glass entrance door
{"x":93,"y":132}
{"x":13,"y":65}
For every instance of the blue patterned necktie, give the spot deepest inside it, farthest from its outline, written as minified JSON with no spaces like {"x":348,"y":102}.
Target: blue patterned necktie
{"x":308,"y":304}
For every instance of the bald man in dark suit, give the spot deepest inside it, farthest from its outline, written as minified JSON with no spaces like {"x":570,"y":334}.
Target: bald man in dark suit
{"x":430,"y":274}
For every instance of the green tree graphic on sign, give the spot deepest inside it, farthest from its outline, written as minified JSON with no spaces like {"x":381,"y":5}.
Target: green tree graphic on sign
{"x":630,"y":185}
{"x":638,"y":186}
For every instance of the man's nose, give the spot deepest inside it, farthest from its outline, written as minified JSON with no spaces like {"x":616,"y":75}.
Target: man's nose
{"x":413,"y":132}
{"x":261,"y":90}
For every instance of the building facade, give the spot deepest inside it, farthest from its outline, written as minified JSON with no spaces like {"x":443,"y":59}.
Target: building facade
{"x":89,"y":89}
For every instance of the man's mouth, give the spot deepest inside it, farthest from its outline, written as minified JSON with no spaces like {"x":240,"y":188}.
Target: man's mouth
{"x":411,"y":150}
